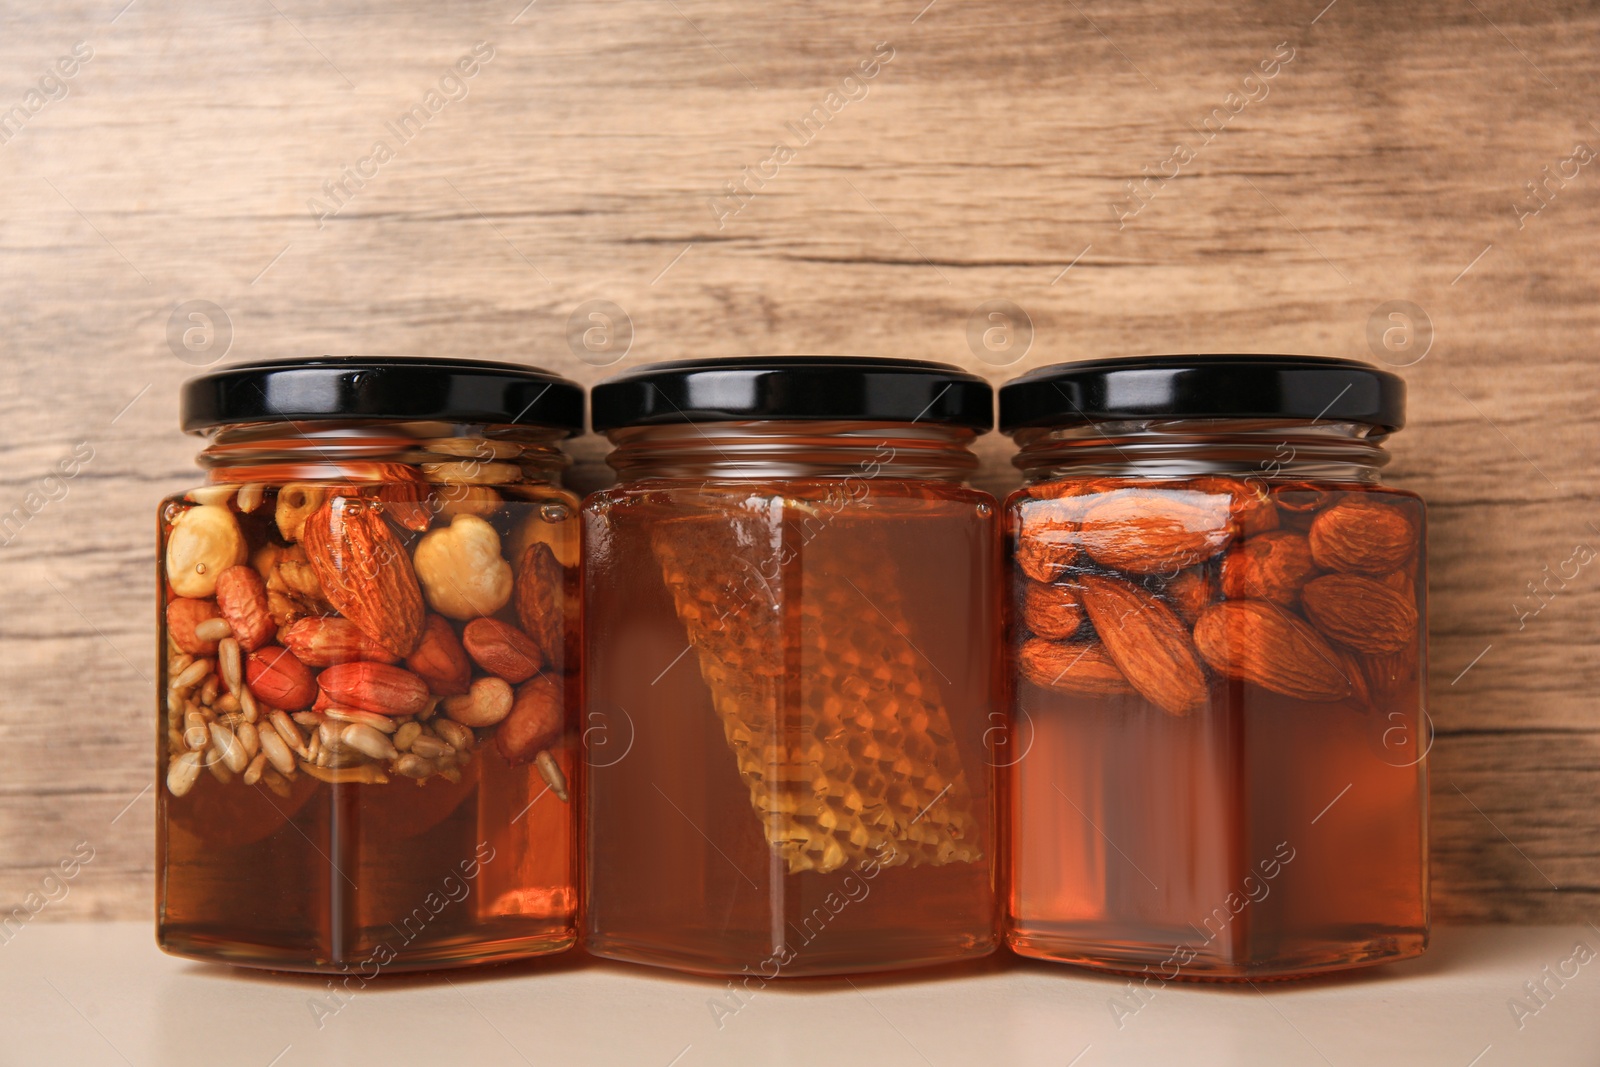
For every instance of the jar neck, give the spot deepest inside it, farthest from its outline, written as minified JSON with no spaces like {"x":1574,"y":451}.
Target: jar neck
{"x":1266,"y":448}
{"x":795,"y":449}
{"x":344,"y":451}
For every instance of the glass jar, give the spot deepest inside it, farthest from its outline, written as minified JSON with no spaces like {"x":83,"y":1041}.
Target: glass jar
{"x":1217,"y":630}
{"x":368,"y":652}
{"x":793,"y":655}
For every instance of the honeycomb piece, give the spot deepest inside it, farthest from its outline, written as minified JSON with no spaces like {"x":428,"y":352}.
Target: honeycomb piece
{"x":835,"y":725}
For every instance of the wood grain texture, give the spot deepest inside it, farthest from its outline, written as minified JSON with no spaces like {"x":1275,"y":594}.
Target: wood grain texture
{"x":1381,"y":163}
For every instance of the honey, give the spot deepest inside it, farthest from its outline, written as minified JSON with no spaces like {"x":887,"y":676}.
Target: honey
{"x":796,"y":776}
{"x":1217,"y":627}
{"x":369,"y":669}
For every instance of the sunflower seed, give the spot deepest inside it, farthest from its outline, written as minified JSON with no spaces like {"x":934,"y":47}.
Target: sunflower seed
{"x":250,"y":496}
{"x":252,"y":773}
{"x":248,"y":705}
{"x":381,"y":723}
{"x":191,"y":675}
{"x":249,"y":737}
{"x":196,"y":735}
{"x":229,"y":750}
{"x":455,"y":735}
{"x":288,"y":733}
{"x":228,"y":658}
{"x":550,"y":771}
{"x":407,"y":734}
{"x":366,"y":739}
{"x":182,"y":773}
{"x":429,"y":747}
{"x":413,"y":766}
{"x":274,"y":748}
{"x":214,"y":629}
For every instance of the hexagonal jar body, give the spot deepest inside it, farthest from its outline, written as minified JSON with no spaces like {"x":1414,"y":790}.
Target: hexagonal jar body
{"x":1217,"y":627}
{"x":368,"y":659}
{"x":792,"y":645}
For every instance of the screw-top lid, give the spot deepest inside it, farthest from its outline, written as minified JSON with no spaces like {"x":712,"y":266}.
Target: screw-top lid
{"x":737,"y":389}
{"x":390,"y":388}
{"x":1319,"y":388}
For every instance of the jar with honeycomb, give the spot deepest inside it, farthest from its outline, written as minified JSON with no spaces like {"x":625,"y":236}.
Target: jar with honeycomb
{"x":1216,"y":640}
{"x":792,"y":659}
{"x":368,"y":652}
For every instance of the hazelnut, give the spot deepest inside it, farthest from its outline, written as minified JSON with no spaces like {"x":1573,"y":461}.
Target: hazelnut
{"x":461,"y":570}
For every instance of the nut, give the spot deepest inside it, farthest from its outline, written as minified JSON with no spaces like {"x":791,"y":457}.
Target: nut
{"x":365,"y":572}
{"x":546,"y":600}
{"x":204,"y":542}
{"x":461,"y":569}
{"x":467,"y":500}
{"x":1273,"y":566}
{"x":184,"y":617}
{"x":296,"y":502}
{"x":1259,"y":642}
{"x":1052,"y":611}
{"x":1190,"y":592}
{"x":1145,"y":531}
{"x":1148,"y":643}
{"x":1362,"y":536}
{"x":376,"y":687}
{"x":1046,"y":540}
{"x":485,"y":704}
{"x":325,"y":641}
{"x":183,"y":772}
{"x":1071,"y":667}
{"x":502,"y":650}
{"x":1361,"y":613}
{"x":242,"y":599}
{"x":548,"y":525}
{"x":440,"y":660}
{"x":279,"y":680}
{"x":1249,"y":505}
{"x":535,"y":722}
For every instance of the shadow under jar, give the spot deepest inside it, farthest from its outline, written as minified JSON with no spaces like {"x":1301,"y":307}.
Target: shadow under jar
{"x":368,"y":652}
{"x":1217,"y":630}
{"x":793,"y":658}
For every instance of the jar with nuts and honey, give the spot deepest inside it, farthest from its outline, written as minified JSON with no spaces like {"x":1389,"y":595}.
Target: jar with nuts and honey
{"x":368,"y":634}
{"x":1216,"y":633}
{"x":792,"y":650}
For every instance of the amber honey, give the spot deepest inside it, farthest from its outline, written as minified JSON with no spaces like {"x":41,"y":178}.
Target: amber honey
{"x":791,"y":663}
{"x":1216,"y":631}
{"x":366,"y":746}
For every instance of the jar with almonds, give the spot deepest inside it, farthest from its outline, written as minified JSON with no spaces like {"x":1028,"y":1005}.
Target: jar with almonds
{"x":792,"y":661}
{"x":1216,"y":638}
{"x":368,"y":661}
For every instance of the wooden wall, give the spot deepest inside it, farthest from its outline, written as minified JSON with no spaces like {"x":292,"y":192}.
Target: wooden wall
{"x":986,"y":158}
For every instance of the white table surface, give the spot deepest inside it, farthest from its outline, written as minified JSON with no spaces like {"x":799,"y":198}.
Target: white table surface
{"x":89,"y":994}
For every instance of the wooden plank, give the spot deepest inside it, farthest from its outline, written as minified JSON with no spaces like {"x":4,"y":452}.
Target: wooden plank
{"x":987,"y":159}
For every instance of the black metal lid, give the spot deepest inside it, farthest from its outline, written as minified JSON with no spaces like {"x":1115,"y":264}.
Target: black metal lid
{"x":734,"y":389}
{"x":1322,"y":388}
{"x":391,"y":388}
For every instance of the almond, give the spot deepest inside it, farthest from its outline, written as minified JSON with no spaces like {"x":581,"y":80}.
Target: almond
{"x":1147,"y":531}
{"x":1046,"y":540}
{"x":1148,"y":643}
{"x":1249,"y":504}
{"x":1191,"y":592}
{"x":546,"y":601}
{"x":1272,"y":566}
{"x":1052,"y":611}
{"x":440,"y":660}
{"x":535,"y":723}
{"x":1391,"y":674}
{"x":502,"y":650}
{"x":375,"y":687}
{"x":242,"y":599}
{"x":364,"y":571}
{"x":278,"y":679}
{"x":1259,"y":642}
{"x":325,"y":641}
{"x":1071,"y":667}
{"x":1363,"y":536}
{"x":183,"y":615}
{"x":1361,"y":613}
